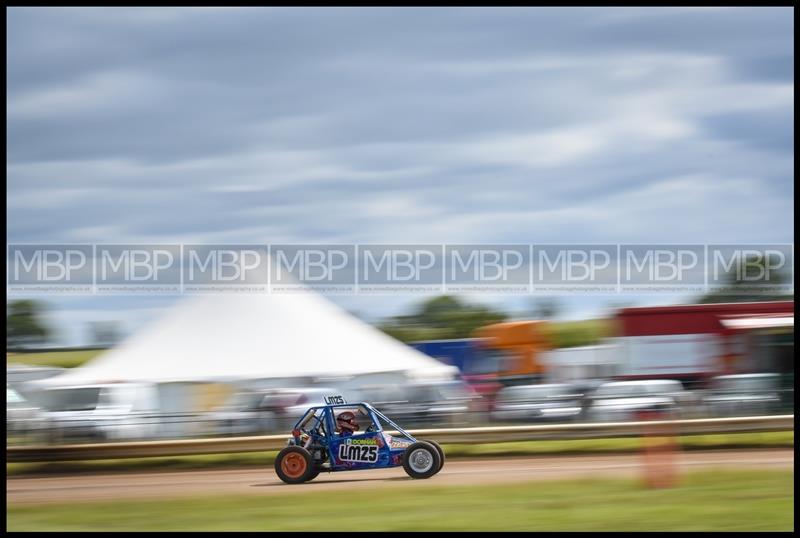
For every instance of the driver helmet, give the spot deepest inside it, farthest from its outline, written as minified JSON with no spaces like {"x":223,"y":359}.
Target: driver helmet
{"x":346,"y":422}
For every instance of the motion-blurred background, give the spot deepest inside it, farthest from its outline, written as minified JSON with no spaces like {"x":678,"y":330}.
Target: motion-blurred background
{"x":697,"y":360}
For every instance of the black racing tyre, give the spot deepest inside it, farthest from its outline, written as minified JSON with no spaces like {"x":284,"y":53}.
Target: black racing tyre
{"x":294,"y":465}
{"x":439,"y":450}
{"x":314,"y":473}
{"x":421,"y":460}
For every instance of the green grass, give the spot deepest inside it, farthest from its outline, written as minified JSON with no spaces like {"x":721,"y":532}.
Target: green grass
{"x":259,"y":459}
{"x":62,"y":359}
{"x":708,"y":501}
{"x":615,"y":445}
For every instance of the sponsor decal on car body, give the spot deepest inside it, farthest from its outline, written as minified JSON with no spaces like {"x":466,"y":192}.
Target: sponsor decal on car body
{"x":359,"y":450}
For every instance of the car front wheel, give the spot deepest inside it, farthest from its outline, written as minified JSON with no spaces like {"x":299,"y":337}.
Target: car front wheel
{"x":421,"y":460}
{"x":438,"y":448}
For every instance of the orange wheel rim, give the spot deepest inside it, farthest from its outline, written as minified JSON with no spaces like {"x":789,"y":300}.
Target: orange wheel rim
{"x":293,"y":465}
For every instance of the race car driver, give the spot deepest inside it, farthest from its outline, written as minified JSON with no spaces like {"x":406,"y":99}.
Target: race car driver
{"x":346,"y":423}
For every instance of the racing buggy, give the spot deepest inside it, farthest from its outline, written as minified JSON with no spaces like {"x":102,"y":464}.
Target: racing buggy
{"x":330,"y":438}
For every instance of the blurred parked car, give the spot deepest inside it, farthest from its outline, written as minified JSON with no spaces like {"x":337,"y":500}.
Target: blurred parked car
{"x":743,"y":394}
{"x":19,"y":374}
{"x":99,"y":412}
{"x":23,"y":418}
{"x":243,"y":414}
{"x":426,"y":404}
{"x":529,"y":403}
{"x":267,"y":410}
{"x":620,"y":401}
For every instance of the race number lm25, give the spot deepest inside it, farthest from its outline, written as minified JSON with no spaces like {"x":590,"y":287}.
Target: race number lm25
{"x":358,"y":453}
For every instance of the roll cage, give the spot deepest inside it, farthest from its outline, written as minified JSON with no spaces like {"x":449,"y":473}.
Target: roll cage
{"x":318,"y":423}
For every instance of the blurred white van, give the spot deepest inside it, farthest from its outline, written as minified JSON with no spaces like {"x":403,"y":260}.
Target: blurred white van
{"x":112,"y":411}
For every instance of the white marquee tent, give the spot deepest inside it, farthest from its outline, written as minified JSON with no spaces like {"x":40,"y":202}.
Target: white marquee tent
{"x":234,"y":337}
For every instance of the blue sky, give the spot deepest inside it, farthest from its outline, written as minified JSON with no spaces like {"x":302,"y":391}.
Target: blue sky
{"x":396,"y":125}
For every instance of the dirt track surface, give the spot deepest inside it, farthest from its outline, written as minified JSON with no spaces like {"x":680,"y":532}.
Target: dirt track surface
{"x":255,"y":481}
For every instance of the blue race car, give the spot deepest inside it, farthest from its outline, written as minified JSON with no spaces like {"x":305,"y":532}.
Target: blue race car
{"x":327,"y":438}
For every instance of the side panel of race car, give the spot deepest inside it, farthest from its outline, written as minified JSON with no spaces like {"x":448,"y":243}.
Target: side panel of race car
{"x":360,"y":451}
{"x":367,"y":450}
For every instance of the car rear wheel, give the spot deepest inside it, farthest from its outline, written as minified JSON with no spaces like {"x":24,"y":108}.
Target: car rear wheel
{"x":294,"y":465}
{"x":421,"y":460}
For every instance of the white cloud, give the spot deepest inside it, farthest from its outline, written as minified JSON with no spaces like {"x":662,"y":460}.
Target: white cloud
{"x":107,"y":92}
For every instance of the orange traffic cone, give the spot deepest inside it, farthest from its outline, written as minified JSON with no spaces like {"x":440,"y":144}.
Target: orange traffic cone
{"x":659,"y":450}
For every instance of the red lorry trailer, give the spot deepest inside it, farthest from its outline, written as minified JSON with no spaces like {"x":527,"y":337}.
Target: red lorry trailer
{"x":692,"y":343}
